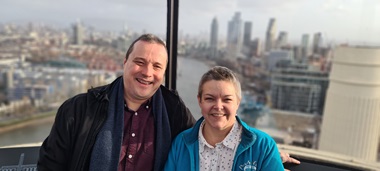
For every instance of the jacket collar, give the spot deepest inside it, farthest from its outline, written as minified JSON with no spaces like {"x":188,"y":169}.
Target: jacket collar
{"x":102,"y":92}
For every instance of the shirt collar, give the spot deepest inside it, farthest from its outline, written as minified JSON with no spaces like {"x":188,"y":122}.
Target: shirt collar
{"x":202,"y":140}
{"x":147,"y":104}
{"x":232,"y":139}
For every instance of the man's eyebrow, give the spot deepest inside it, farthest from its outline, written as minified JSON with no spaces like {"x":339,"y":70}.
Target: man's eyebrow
{"x":158,"y":63}
{"x":139,"y":58}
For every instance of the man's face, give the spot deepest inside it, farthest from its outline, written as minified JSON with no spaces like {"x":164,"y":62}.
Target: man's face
{"x":144,"y":70}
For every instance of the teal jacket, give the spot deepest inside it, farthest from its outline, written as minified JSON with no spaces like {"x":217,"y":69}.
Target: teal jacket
{"x":257,"y":151}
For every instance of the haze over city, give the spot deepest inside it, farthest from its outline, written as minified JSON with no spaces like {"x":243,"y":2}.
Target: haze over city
{"x":303,"y":80}
{"x":340,"y":21}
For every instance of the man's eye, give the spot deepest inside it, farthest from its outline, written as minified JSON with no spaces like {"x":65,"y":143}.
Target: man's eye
{"x":139,"y":63}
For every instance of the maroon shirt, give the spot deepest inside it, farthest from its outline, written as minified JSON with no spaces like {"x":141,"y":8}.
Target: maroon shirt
{"x":137,"y":149}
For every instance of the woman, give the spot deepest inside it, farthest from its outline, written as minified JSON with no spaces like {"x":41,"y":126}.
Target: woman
{"x":220,"y":140}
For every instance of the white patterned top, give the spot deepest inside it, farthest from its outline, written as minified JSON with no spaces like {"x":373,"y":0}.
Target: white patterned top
{"x":220,"y":157}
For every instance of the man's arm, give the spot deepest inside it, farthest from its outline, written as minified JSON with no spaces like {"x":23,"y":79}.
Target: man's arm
{"x":285,"y":157}
{"x":55,"y":150}
{"x":180,"y":116}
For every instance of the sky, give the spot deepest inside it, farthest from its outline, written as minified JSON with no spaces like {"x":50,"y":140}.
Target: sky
{"x":339,"y":21}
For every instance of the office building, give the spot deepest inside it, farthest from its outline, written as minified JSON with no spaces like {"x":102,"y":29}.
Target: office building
{"x":276,"y":56}
{"x":298,"y":88}
{"x":317,"y":43}
{"x":282,"y":39}
{"x":247,"y":33}
{"x":78,"y":33}
{"x":270,"y":35}
{"x":305,"y":47}
{"x":214,"y":38}
{"x":234,"y":36}
{"x":256,"y":47}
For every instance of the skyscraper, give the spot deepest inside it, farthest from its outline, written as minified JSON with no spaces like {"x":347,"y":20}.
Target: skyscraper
{"x":234,"y":36}
{"x":270,"y":35}
{"x":282,"y":39}
{"x":351,"y":121}
{"x":256,"y":47}
{"x":317,"y":43}
{"x":9,"y":78}
{"x":247,"y":33}
{"x":304,"y":47}
{"x":78,"y":33}
{"x":214,"y":38}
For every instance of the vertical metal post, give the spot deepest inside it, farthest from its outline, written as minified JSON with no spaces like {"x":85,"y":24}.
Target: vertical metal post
{"x":171,"y":44}
{"x":20,"y":162}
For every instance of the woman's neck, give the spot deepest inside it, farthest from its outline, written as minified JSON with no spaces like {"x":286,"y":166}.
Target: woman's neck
{"x":214,"y":136}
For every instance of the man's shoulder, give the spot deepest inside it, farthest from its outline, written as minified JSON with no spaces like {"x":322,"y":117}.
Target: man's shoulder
{"x":168,"y":92}
{"x":170,"y":95}
{"x":94,"y":92}
{"x":76,"y":98}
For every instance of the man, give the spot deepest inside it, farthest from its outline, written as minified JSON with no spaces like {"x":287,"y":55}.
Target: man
{"x":127,"y":125}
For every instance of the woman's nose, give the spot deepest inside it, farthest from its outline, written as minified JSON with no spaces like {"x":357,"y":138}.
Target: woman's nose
{"x":218,"y":105}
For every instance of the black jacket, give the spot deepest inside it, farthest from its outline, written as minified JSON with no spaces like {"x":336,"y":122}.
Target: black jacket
{"x":80,"y":118}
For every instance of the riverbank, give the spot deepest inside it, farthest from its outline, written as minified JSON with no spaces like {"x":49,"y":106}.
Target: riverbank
{"x":24,"y":122}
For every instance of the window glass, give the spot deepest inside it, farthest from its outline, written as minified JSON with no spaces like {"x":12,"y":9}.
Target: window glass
{"x":53,"y":50}
{"x":309,"y":69}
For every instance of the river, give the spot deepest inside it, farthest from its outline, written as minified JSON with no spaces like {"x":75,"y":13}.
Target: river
{"x":188,"y":75}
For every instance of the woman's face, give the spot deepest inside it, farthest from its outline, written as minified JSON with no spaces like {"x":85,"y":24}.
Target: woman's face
{"x":219,"y":104}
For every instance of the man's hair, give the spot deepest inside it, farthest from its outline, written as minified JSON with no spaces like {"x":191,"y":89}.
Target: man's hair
{"x":151,"y":38}
{"x":220,"y":73}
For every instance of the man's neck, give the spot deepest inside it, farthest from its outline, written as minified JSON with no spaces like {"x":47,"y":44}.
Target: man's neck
{"x":133,"y":104}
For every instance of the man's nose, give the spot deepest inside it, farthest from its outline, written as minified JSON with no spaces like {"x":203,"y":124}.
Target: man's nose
{"x":147,"y":71}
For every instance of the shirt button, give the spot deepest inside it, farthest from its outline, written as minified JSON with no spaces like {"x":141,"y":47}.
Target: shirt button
{"x":130,"y":156}
{"x":136,"y":113}
{"x":133,"y":134}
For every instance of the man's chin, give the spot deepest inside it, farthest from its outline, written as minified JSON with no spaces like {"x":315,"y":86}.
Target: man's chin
{"x":145,"y":95}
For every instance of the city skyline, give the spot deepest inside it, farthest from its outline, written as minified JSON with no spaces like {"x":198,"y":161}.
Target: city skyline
{"x":339,"y":21}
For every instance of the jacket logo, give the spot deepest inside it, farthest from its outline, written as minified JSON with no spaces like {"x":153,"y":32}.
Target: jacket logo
{"x":249,"y":166}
